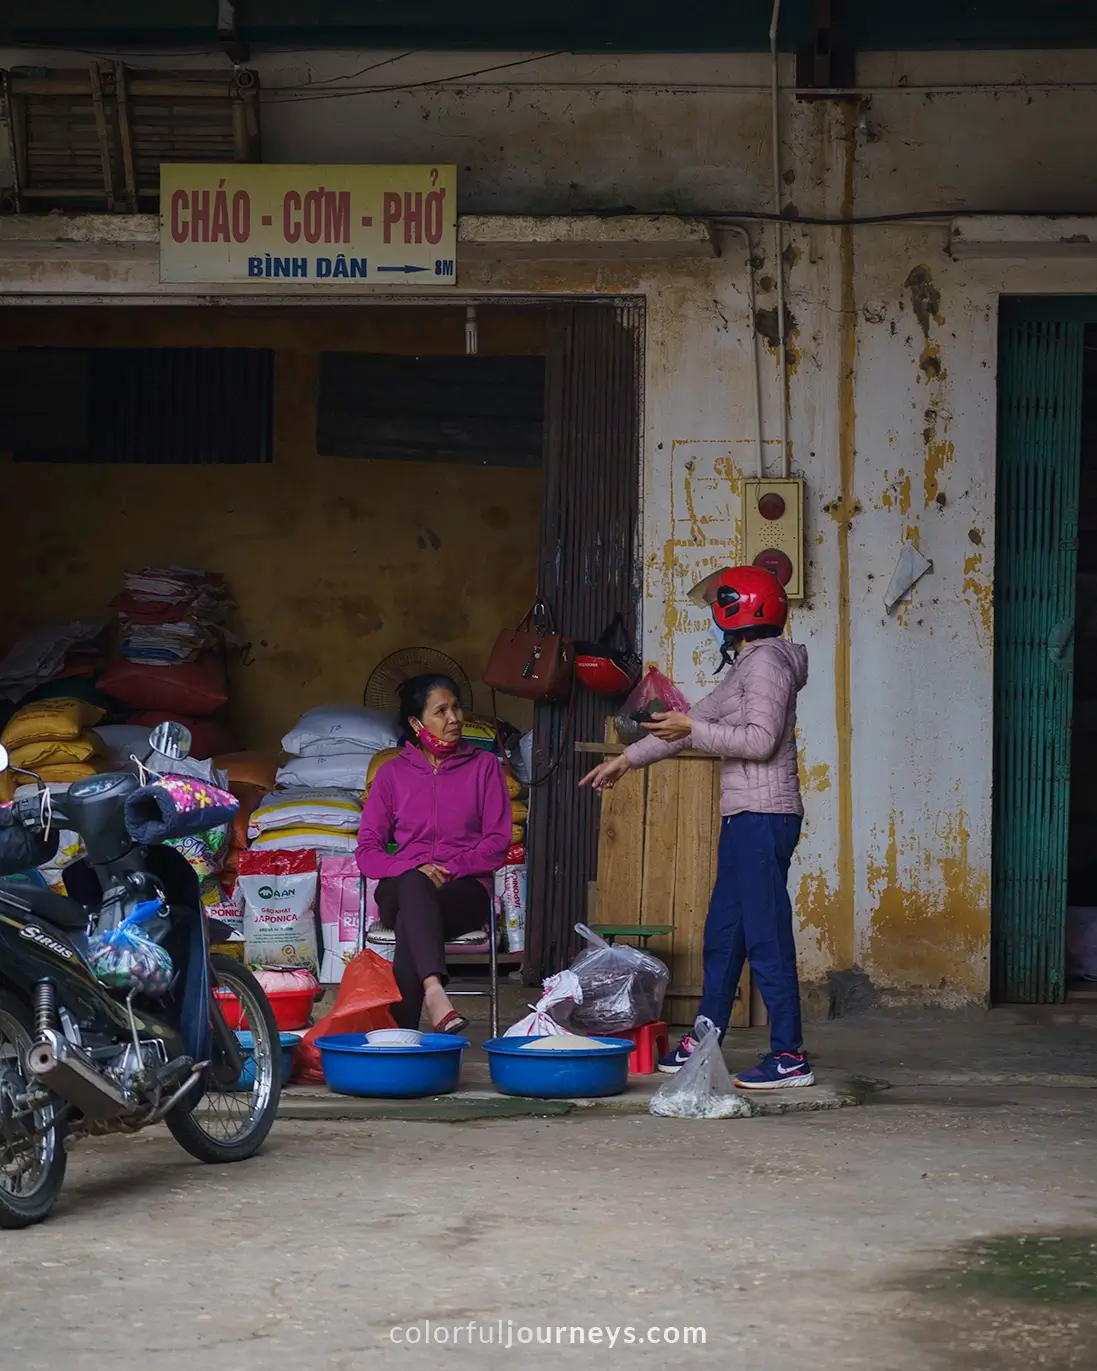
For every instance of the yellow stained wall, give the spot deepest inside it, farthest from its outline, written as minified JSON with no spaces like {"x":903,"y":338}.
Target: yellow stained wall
{"x":334,"y":562}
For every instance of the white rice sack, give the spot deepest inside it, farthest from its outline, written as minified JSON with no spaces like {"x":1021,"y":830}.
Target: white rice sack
{"x":339,"y":770}
{"x":563,"y":1042}
{"x":511,"y":883}
{"x":304,"y":837}
{"x":279,"y":893}
{"x":366,"y":730}
{"x":330,"y":808}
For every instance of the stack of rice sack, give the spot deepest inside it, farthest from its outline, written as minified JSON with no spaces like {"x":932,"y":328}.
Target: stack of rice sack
{"x":54,"y":739}
{"x":171,"y":663}
{"x":299,"y":819}
{"x":332,"y":746}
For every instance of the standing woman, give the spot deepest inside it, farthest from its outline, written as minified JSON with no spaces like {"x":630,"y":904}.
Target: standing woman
{"x":445,"y":806}
{"x":749,"y":722}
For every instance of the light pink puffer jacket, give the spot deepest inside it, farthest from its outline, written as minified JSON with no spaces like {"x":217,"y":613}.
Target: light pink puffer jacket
{"x":749,"y":721}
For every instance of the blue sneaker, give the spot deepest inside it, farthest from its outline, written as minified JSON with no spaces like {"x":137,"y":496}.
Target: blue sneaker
{"x":677,"y":1057}
{"x":777,"y":1071}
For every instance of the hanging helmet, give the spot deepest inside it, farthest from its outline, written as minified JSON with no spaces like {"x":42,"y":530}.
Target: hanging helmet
{"x":742,"y":597}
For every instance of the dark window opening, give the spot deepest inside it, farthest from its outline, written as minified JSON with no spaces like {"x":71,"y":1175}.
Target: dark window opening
{"x":162,"y":406}
{"x":479,"y":411}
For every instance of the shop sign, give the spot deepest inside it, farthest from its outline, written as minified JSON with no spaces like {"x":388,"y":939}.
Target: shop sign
{"x":333,"y":226}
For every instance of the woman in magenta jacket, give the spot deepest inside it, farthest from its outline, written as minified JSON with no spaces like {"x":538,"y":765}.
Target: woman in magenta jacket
{"x":444,"y":804}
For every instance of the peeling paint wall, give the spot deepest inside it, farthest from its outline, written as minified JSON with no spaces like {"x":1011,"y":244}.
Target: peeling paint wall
{"x":891,"y":398}
{"x":334,"y":562}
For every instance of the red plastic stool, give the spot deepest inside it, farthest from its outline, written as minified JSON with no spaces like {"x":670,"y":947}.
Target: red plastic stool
{"x":652,"y":1041}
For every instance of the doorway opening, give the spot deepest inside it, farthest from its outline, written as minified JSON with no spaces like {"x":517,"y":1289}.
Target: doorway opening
{"x":365,"y":481}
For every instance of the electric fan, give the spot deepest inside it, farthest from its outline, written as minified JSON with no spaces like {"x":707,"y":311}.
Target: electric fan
{"x":387,"y":677}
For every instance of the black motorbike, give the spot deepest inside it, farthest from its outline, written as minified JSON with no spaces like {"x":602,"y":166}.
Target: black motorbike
{"x":78,"y":1058}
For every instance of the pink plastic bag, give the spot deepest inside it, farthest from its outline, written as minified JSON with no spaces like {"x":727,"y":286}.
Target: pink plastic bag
{"x":340,"y":914}
{"x":655,"y":694}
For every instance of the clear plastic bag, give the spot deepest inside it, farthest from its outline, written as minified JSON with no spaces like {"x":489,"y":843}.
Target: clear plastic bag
{"x":702,"y":1088}
{"x":561,"y":991}
{"x":656,"y":694}
{"x":621,"y":986}
{"x":124,"y":958}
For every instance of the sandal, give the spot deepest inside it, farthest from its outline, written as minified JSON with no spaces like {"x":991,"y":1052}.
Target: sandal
{"x":452,"y":1023}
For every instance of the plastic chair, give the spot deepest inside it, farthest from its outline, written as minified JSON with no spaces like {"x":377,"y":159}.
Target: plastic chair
{"x":492,"y":991}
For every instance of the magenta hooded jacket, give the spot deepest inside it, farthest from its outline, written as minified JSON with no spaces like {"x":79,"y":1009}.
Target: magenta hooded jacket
{"x":458,"y":816}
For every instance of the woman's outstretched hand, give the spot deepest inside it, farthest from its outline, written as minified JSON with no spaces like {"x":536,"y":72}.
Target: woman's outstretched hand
{"x":606,"y":774}
{"x":671,"y":727}
{"x":435,"y":873}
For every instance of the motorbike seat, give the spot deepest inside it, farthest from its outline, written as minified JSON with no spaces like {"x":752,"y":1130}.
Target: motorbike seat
{"x":58,"y":910}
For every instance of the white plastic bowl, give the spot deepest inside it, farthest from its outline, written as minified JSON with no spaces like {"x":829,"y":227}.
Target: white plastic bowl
{"x":394,"y":1037}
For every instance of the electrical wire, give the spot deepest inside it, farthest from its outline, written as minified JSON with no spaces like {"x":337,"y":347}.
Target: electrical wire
{"x":752,"y":216}
{"x":295,"y":94}
{"x":330,"y":80}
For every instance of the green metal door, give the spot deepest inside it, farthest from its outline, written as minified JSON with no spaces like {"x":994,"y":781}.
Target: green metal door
{"x":1039,"y":442}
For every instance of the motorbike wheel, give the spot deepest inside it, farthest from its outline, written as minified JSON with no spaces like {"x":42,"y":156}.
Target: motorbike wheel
{"x":27,"y":1197}
{"x":227,"y":1124}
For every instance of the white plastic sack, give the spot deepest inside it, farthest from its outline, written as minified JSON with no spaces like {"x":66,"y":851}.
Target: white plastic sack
{"x":278,"y":892}
{"x":522,"y":760}
{"x":563,"y":989}
{"x":1082,"y":943}
{"x":366,"y":730}
{"x":303,"y":838}
{"x":702,"y":1088}
{"x":70,"y":848}
{"x":328,"y":808}
{"x":511,"y":883}
{"x":341,"y":770}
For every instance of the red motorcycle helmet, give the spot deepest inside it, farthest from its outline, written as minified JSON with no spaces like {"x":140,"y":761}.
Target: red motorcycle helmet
{"x":742,"y":597}
{"x":609,"y":666}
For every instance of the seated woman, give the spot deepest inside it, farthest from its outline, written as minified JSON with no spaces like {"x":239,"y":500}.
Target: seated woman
{"x":444,"y":803}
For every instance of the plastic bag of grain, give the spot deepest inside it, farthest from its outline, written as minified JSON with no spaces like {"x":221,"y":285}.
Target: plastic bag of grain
{"x":561,"y":992}
{"x":278,"y":893}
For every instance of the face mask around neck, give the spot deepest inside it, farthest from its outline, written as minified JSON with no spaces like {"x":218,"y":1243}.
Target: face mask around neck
{"x":437,"y":747}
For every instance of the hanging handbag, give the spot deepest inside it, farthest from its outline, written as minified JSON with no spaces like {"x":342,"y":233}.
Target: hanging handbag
{"x":532,"y":661}
{"x":608,"y":666}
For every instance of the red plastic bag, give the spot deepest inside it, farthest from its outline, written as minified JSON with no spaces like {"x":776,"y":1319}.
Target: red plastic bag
{"x":655,"y":694}
{"x":366,"y":991}
{"x":190,"y":687}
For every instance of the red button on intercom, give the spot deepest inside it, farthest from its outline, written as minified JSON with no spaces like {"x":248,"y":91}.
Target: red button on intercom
{"x":771,"y":506}
{"x":777,"y":562}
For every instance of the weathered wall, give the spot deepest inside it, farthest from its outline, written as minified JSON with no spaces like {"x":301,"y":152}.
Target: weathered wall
{"x":334,"y":562}
{"x":891,"y":397}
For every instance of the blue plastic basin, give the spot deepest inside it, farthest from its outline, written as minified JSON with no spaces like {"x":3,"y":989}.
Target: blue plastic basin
{"x":580,"y":1074}
{"x":353,"y":1067}
{"x":289,"y":1043}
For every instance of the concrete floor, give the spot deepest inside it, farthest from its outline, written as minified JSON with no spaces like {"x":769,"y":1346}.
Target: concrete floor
{"x":901,"y":1236}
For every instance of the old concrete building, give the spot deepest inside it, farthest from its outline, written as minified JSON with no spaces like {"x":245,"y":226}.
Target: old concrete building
{"x":915,"y":198}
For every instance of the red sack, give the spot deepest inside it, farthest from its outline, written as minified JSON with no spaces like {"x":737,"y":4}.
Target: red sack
{"x":209,"y":737}
{"x":190,"y":687}
{"x":362,"y":1004}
